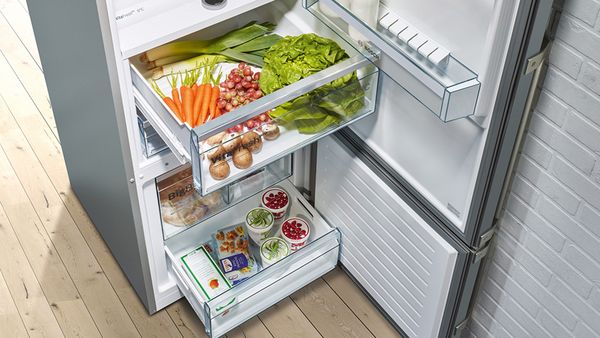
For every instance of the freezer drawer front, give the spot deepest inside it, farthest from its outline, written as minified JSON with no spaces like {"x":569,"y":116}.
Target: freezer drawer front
{"x":270,"y":284}
{"x":391,"y":251}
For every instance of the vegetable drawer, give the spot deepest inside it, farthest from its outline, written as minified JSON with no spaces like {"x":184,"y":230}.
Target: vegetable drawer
{"x":292,"y":113}
{"x":270,"y":284}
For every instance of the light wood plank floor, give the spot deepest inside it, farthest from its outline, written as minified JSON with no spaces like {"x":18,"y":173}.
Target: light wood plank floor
{"x":58,"y":278}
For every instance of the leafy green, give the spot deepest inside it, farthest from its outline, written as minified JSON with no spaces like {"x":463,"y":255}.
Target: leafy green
{"x":294,"y":58}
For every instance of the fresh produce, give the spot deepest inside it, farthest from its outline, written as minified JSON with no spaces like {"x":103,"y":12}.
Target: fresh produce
{"x":276,"y":200}
{"x":296,"y":57}
{"x":242,"y":158}
{"x":219,"y":170}
{"x":237,"y":45}
{"x":167,"y":100}
{"x":241,"y":87}
{"x":270,"y":131}
{"x":231,"y":142}
{"x":187,"y":65}
{"x":295,"y":231}
{"x":252,"y":141}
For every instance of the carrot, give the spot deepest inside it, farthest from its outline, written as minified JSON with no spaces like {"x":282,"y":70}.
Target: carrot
{"x":214,"y":96}
{"x":167,"y":100}
{"x":171,"y":104}
{"x":198,"y":105}
{"x":187,"y":102}
{"x":173,"y":80}
{"x":195,"y":88}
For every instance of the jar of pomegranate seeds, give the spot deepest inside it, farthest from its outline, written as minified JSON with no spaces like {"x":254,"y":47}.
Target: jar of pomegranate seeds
{"x":295,"y":231}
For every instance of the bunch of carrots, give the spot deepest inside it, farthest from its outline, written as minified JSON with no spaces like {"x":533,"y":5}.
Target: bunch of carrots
{"x":193,"y":103}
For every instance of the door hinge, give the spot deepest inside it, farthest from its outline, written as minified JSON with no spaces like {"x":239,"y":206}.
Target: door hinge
{"x":485,"y":238}
{"x":461,"y":326}
{"x":536,"y":61}
{"x":480,"y":254}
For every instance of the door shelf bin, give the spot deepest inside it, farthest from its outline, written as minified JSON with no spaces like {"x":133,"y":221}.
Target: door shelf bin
{"x":269,"y":285}
{"x":448,"y":88}
{"x":182,"y":207}
{"x":152,"y":143}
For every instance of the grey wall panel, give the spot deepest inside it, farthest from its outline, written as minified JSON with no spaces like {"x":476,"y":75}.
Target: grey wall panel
{"x":70,"y":43}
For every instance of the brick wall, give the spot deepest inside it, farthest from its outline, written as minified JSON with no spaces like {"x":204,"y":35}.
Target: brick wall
{"x":544,"y":274}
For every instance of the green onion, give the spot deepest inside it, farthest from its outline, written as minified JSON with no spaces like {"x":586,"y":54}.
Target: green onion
{"x":261,"y":42}
{"x":229,"y":40}
{"x":245,"y":57}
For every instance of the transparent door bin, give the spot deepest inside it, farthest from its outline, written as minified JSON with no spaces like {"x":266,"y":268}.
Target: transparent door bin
{"x":152,"y":143}
{"x":182,"y":207}
{"x":422,"y":67}
{"x":269,"y":285}
{"x":221,"y":158}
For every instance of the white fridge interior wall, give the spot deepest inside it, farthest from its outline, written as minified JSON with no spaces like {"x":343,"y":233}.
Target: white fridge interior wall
{"x":442,"y":159}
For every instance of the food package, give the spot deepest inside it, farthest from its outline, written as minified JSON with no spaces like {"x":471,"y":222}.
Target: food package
{"x":181,"y":204}
{"x":232,"y":246}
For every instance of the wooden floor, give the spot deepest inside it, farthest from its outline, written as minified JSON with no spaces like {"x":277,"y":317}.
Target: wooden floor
{"x":57,"y":276}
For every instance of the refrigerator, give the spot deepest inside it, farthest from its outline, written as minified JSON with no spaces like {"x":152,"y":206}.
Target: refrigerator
{"x":403,"y":193}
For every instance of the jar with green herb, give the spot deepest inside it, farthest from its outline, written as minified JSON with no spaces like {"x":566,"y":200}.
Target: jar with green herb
{"x":259,"y":222}
{"x":272,"y":250}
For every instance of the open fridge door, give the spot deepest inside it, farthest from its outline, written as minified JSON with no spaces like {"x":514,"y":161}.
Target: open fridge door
{"x":444,"y":126}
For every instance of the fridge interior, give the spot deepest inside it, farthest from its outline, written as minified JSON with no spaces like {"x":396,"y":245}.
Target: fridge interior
{"x":437,"y":154}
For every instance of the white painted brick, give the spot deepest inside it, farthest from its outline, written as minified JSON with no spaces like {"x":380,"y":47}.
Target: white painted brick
{"x":582,"y":262}
{"x":549,"y":185}
{"x":565,"y":59}
{"x":525,"y":191}
{"x":535,"y":223}
{"x":501,"y":316}
{"x":584,"y":331}
{"x":547,"y":248}
{"x":573,"y":230}
{"x":590,"y":77}
{"x":565,"y":145}
{"x":524,"y":258}
{"x":573,"y":94}
{"x":537,"y":151}
{"x":583,"y":310}
{"x":558,"y":265}
{"x":552,"y":325}
{"x":580,"y":184}
{"x":581,"y":38}
{"x":590,"y":219}
{"x":500,"y":281}
{"x":552,"y":107}
{"x":585,"y":10}
{"x":546,"y":299}
{"x":586,"y":132}
{"x":491,"y":325}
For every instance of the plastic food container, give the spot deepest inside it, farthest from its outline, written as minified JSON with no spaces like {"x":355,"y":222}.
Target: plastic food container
{"x":259,"y":222}
{"x":277,"y":201}
{"x":272,"y":250}
{"x":295,"y":231}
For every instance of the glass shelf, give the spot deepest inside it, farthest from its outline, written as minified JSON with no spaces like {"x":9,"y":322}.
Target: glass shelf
{"x":421,"y":66}
{"x":269,"y":285}
{"x":152,"y":143}
{"x":182,"y":207}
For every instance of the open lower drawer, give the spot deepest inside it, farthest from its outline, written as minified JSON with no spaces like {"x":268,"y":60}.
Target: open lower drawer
{"x":269,"y":285}
{"x":300,"y":120}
